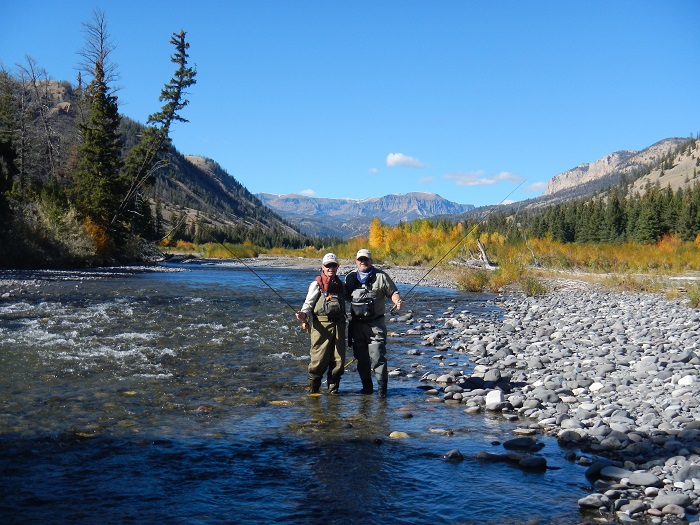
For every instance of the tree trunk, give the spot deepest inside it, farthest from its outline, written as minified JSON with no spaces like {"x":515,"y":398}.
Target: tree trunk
{"x":484,"y":257}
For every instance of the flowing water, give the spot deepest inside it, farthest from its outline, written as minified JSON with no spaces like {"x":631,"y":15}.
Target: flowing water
{"x":176,"y":395}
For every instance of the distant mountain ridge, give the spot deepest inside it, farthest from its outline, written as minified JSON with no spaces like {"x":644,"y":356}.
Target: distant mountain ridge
{"x":348,"y":217}
{"x":620,"y":162}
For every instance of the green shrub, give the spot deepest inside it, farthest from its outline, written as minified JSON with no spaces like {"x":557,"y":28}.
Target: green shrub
{"x":694,"y":296}
{"x":630,"y":283}
{"x":474,"y":280}
{"x":532,"y":286}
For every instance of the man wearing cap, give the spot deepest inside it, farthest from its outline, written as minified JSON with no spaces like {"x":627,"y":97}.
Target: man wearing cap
{"x":367,"y":289}
{"x":323,"y":314}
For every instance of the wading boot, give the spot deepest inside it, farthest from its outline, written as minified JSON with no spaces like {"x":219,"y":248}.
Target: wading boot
{"x":333,"y":387}
{"x":314,"y":386}
{"x":381,"y":386}
{"x":367,"y":386}
{"x":366,"y":378}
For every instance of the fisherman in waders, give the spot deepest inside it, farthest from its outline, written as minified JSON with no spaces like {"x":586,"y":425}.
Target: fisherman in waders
{"x":323,"y":314}
{"x":367,"y":289}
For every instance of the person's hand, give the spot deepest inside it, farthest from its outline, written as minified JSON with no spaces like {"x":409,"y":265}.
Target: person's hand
{"x":301,"y":316}
{"x":397,"y":305}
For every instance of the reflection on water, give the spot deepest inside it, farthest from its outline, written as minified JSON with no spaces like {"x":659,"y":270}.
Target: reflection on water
{"x":177,"y":396}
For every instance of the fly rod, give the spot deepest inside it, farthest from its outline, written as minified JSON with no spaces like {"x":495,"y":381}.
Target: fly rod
{"x":247,"y":266}
{"x":462,"y":239}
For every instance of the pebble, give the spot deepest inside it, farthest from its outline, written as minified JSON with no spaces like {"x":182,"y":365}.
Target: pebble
{"x":614,"y":374}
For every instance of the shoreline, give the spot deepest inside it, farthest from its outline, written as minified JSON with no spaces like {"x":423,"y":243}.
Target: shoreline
{"x":613,"y":376}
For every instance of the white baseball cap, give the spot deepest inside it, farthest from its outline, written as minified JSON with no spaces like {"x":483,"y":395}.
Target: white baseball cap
{"x":329,"y":258}
{"x":364,"y":253}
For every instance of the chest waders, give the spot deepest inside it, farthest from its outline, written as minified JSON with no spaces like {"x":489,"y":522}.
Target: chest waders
{"x":328,"y":342}
{"x":367,"y":331}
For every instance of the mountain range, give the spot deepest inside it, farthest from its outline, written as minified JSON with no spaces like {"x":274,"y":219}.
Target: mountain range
{"x":202,"y":190}
{"x":349,"y":217}
{"x":666,"y":163}
{"x":211,"y":191}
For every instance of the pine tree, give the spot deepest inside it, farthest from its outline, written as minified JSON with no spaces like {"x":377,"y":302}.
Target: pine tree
{"x":148,"y":155}
{"x":98,"y":186}
{"x":648,"y":228}
{"x":8,"y":153}
{"x":614,"y":220}
{"x":689,"y":222}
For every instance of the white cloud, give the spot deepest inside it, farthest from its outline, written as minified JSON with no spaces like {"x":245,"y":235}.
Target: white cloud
{"x":399,"y":159}
{"x":373,"y":170}
{"x":307,"y":193}
{"x":479,"y":178}
{"x":426,"y":179}
{"x":536,"y":187}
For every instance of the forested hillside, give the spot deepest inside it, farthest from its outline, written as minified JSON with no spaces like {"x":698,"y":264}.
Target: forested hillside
{"x":202,"y":203}
{"x":83,"y":185}
{"x":657,"y":199}
{"x":647,"y":220}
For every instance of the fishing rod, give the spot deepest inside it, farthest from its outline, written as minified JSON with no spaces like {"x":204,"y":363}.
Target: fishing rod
{"x":247,"y":266}
{"x":408,"y":294}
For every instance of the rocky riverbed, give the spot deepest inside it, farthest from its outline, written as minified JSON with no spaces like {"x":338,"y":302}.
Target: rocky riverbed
{"x":614,"y":376}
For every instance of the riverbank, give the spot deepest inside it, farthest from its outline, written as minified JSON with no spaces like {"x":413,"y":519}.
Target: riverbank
{"x":613,"y":376}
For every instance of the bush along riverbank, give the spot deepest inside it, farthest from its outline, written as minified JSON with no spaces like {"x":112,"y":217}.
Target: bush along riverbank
{"x":614,"y":376}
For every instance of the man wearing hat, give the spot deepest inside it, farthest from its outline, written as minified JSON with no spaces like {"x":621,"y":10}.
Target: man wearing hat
{"x":323,"y":314}
{"x":367,"y":289}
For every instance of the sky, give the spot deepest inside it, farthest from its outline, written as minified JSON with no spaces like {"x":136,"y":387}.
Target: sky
{"x":481,"y":102}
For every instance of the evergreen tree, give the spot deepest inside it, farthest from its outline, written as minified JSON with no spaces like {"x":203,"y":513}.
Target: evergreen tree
{"x":671,"y":210}
{"x":149,"y":154}
{"x":689,"y":222}
{"x":98,"y":186}
{"x":614,"y":220}
{"x":648,"y":228}
{"x":632,"y":213}
{"x":158,"y":231}
{"x":8,"y":153}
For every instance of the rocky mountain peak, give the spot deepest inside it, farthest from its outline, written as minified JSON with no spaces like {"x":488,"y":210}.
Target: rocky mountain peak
{"x":621,"y":162}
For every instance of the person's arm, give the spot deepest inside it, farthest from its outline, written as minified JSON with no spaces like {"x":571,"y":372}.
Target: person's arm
{"x":392,"y":292}
{"x":311,"y":297}
{"x":396,"y":299}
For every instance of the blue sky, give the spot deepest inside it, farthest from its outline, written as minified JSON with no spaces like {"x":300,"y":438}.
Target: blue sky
{"x":467,"y":99}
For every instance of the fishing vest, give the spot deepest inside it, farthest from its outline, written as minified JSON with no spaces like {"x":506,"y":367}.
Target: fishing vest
{"x":366,"y":299}
{"x":330,"y":305}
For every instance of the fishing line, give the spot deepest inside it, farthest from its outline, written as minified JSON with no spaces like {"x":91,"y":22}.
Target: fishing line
{"x":246,"y":265}
{"x":408,"y":294}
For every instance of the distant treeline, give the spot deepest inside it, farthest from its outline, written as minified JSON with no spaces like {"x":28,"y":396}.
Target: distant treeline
{"x":200,"y":231}
{"x":613,"y":218}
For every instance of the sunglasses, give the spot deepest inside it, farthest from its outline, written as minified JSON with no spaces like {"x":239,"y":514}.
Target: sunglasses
{"x":362,"y":259}
{"x":331,"y":265}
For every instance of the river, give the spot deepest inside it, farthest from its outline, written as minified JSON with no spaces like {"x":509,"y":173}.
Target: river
{"x":175,"y":394}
